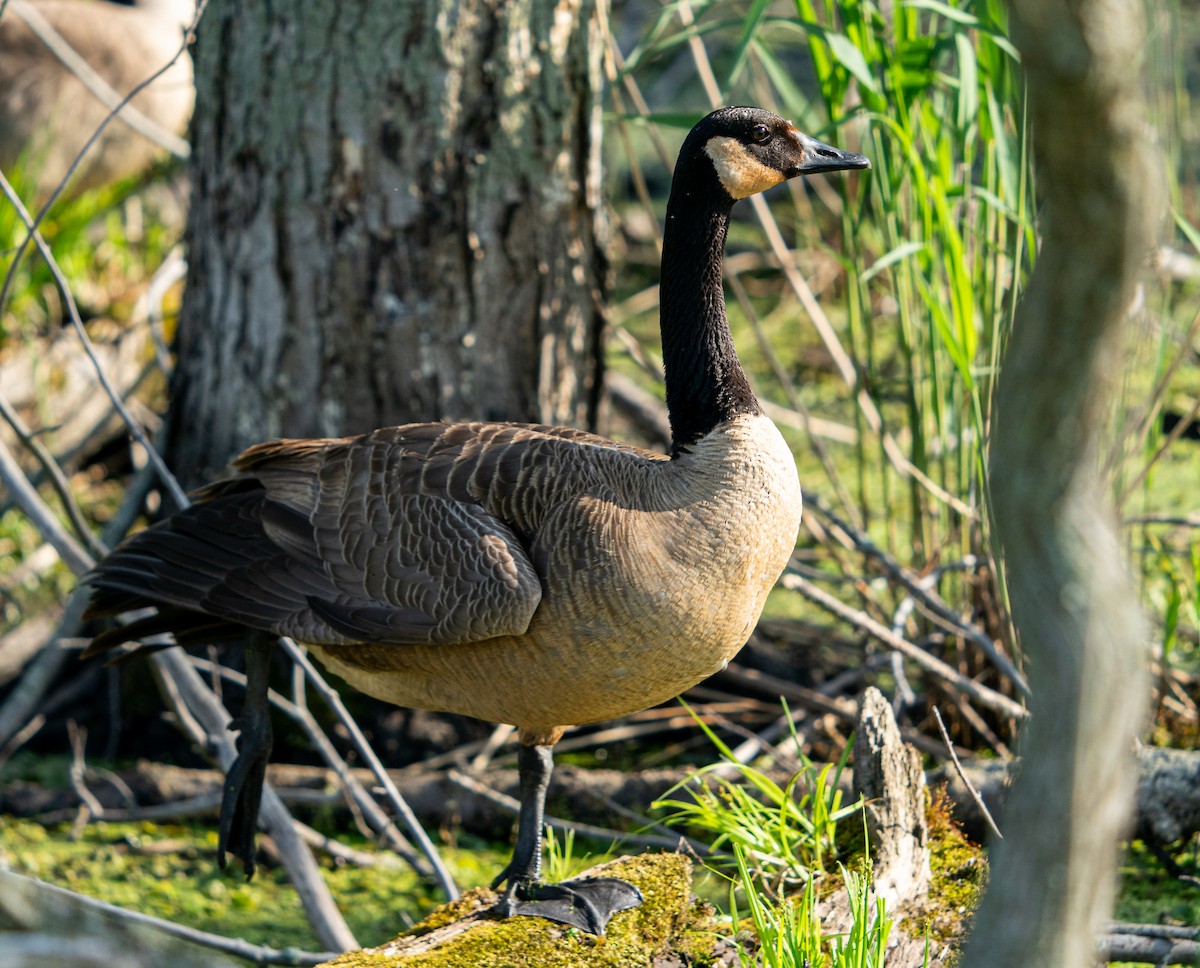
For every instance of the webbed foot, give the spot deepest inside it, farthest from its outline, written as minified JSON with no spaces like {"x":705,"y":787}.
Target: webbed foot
{"x":586,"y":903}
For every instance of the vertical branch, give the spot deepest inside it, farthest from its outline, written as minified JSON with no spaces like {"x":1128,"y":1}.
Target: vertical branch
{"x":1073,"y":604}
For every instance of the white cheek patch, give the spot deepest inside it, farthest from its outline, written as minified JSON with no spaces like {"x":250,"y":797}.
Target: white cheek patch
{"x":740,"y":172}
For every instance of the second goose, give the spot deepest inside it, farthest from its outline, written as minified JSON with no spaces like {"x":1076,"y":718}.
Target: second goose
{"x":539,"y":576}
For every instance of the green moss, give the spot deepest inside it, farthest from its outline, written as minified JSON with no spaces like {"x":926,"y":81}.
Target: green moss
{"x":960,"y":873}
{"x":1150,"y":895}
{"x":472,"y":900}
{"x":170,"y":871}
{"x":363,"y":959}
{"x":669,"y":919}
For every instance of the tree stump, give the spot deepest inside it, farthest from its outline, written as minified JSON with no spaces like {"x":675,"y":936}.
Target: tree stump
{"x":888,"y":774}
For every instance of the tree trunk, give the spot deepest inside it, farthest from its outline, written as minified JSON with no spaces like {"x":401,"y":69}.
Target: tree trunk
{"x":1052,"y":877}
{"x":396,"y":216}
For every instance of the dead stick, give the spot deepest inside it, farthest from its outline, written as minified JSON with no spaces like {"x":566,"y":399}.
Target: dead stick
{"x":982,"y":694}
{"x":987,"y":814}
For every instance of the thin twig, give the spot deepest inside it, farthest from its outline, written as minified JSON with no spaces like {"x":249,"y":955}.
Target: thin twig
{"x":64,"y":288}
{"x":58,"y":480}
{"x":70,"y":58}
{"x":978,"y":723}
{"x":26,"y":497}
{"x":500,"y":736}
{"x":21,"y":737}
{"x":962,"y":775}
{"x":172,"y":270}
{"x":203,"y":805}
{"x":1171,"y":520}
{"x":334,"y":701}
{"x":511,"y":805}
{"x":934,"y":605}
{"x":322,"y":912}
{"x":1141,"y":427}
{"x":89,"y":806}
{"x":995,"y":701}
{"x":336,"y":849}
{"x":1176,"y":432}
{"x":32,"y":225}
{"x":25,"y":698}
{"x":360,"y":800}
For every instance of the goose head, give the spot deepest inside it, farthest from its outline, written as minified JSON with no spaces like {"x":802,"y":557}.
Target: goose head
{"x":751,"y":150}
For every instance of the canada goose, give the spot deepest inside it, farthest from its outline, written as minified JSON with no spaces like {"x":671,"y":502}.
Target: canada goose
{"x":47,"y":113}
{"x":540,"y":576}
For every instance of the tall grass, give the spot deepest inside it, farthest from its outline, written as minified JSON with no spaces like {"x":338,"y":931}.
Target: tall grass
{"x":943,"y":237}
{"x":789,"y":930}
{"x":789,"y":832}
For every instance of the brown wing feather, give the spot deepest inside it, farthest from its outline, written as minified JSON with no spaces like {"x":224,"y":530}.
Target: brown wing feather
{"x":411,"y":534}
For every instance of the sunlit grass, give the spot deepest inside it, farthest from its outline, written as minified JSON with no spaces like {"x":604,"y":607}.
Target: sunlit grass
{"x":788,"y":832}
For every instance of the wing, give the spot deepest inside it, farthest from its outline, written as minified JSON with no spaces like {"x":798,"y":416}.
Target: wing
{"x":335,"y":542}
{"x":413,"y":534}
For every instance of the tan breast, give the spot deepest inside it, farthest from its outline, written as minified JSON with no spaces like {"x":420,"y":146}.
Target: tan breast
{"x":652,"y":583}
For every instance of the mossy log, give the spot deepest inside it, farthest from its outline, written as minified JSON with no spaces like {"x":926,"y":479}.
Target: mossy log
{"x":463,"y":935}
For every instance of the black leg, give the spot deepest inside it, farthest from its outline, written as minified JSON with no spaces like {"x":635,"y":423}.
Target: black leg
{"x":585,"y":903}
{"x":534,"y":764}
{"x":242,"y":792}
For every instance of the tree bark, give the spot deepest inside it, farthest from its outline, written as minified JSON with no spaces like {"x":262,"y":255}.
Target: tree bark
{"x":1052,"y":878}
{"x":396,"y":216}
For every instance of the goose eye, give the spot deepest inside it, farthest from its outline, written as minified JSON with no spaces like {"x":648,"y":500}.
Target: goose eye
{"x":761,"y":134}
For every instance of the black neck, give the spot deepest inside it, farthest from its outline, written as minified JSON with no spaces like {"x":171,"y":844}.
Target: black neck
{"x":705,"y":381}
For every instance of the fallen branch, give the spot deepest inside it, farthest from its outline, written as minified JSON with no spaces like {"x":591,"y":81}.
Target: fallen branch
{"x":933,"y":604}
{"x":958,"y":767}
{"x":1153,"y":943}
{"x":39,"y":896}
{"x":512,"y":806}
{"x":359,"y":797}
{"x":1167,"y":808}
{"x":993,"y":700}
